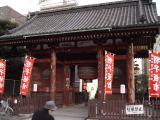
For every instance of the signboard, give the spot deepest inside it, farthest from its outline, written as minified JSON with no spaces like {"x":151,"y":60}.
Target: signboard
{"x":109,"y":69}
{"x":26,"y":75}
{"x":122,"y":89}
{"x":134,"y":109}
{"x":154,"y":79}
{"x":35,"y":86}
{"x":2,"y":75}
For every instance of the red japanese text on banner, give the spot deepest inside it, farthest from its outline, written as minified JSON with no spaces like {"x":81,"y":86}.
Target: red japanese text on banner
{"x":154,"y":79}
{"x":109,"y":69}
{"x":26,"y":75}
{"x":2,"y":75}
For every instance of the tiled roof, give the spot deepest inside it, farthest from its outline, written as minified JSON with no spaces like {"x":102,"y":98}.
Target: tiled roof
{"x":113,"y":15}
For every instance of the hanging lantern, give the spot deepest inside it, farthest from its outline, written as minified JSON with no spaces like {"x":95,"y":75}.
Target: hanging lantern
{"x":84,"y":86}
{"x":87,"y":72}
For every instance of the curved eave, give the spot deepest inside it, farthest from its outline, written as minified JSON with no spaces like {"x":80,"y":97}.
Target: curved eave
{"x":55,"y":33}
{"x":114,"y":28}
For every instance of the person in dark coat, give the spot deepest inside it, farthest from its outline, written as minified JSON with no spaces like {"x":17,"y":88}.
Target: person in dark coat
{"x":86,"y":97}
{"x":46,"y":112}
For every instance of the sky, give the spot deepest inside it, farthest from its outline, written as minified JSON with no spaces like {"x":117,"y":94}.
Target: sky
{"x":25,"y":6}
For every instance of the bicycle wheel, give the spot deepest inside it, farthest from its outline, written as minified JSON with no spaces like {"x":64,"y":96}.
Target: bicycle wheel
{"x":9,"y":112}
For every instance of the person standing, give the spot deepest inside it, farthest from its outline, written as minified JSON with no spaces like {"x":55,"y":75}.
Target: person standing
{"x":46,"y":112}
{"x":86,"y":97}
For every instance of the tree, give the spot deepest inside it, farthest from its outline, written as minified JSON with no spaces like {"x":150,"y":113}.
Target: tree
{"x":141,"y":83}
{"x":142,"y":86}
{"x":5,"y":26}
{"x":156,"y":47}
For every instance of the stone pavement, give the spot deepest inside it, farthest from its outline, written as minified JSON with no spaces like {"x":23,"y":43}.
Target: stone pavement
{"x":75,"y":112}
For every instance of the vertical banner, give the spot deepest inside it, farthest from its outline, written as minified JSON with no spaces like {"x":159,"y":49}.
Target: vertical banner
{"x":109,"y":69}
{"x":2,"y":75}
{"x":154,"y":79}
{"x":26,"y":75}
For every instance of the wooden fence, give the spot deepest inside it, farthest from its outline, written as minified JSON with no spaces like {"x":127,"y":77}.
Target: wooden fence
{"x":115,"y":110}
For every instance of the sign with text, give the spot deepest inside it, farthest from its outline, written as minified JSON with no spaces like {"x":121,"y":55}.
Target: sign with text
{"x":122,"y":89}
{"x":2,"y":75}
{"x":35,"y":87}
{"x":154,"y":79}
{"x":109,"y":69}
{"x":26,"y":75}
{"x":134,"y":109}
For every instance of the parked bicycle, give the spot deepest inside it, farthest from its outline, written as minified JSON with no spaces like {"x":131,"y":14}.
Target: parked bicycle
{"x":6,"y":108}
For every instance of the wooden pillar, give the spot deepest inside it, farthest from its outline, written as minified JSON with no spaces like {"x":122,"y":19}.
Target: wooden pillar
{"x":100,"y":74}
{"x":130,"y":69}
{"x":65,"y":86}
{"x":53,"y":76}
{"x":73,"y":83}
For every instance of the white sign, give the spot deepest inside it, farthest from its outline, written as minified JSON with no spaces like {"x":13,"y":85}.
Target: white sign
{"x":122,"y":89}
{"x":35,"y":86}
{"x":134,"y":109}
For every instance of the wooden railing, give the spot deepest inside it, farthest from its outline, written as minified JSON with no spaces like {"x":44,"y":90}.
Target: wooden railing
{"x":115,"y":110}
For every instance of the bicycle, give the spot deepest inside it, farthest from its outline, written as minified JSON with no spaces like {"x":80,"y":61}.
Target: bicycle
{"x":5,"y":108}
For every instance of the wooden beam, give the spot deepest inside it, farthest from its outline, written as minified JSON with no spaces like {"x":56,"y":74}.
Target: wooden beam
{"x":77,"y":50}
{"x":43,"y":60}
{"x":120,"y":57}
{"x":88,"y":49}
{"x":79,"y":62}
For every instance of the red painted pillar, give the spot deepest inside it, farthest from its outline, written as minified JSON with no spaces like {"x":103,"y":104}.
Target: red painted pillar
{"x":130,"y":69}
{"x":66,"y":84}
{"x":100,"y":73}
{"x":53,"y":76}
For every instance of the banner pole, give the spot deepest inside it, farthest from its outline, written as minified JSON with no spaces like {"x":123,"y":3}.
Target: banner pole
{"x":149,"y":52}
{"x":13,"y":87}
{"x":104,"y":95}
{"x":1,"y":96}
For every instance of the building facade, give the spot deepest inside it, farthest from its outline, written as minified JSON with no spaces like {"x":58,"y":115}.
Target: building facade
{"x":65,"y":39}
